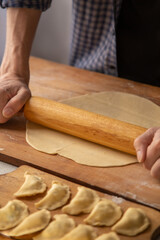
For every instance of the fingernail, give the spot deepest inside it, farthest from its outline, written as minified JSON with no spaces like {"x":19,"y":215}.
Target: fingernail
{"x":139,"y":156}
{"x":8,"y":112}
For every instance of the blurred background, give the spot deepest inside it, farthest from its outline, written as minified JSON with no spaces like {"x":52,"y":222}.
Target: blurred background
{"x":52,"y":40}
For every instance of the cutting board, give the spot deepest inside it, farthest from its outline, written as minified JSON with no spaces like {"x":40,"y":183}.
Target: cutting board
{"x":57,"y":81}
{"x":132,"y":182}
{"x":11,"y":182}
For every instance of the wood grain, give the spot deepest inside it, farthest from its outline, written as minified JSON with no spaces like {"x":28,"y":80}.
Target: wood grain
{"x":56,"y":81}
{"x":83,"y":124}
{"x":14,"y":180}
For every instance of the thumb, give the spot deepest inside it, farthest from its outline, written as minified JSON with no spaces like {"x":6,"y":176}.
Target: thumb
{"x":15,"y":103}
{"x":8,"y":111}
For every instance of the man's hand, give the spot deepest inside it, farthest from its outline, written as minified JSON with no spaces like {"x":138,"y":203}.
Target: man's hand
{"x":13,"y":94}
{"x":14,"y":71}
{"x":148,"y":150}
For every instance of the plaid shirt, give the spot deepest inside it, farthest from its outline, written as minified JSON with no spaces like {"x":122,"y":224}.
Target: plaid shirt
{"x":93,"y":45}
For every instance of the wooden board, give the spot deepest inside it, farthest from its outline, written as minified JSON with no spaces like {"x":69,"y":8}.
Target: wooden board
{"x":56,"y":81}
{"x":10,"y":183}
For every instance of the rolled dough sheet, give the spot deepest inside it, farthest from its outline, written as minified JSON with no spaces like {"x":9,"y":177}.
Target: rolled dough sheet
{"x":122,"y":106}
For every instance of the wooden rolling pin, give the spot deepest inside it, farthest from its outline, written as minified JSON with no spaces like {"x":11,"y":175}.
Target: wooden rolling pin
{"x":83,"y":124}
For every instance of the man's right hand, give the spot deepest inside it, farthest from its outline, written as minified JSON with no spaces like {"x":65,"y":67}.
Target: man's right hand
{"x":14,"y":71}
{"x":14,"y":93}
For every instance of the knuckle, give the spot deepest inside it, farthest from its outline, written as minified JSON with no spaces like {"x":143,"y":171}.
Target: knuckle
{"x":157,"y":145}
{"x":139,"y":142}
{"x":136,"y":142}
{"x":151,"y":130}
{"x":3,"y":90}
{"x":27,"y":92}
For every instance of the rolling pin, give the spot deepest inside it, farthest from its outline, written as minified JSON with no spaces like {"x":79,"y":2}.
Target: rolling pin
{"x":90,"y":126}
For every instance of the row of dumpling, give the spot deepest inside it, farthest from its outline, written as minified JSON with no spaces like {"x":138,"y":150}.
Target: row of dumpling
{"x":62,"y":227}
{"x":16,"y":211}
{"x":103,"y":212}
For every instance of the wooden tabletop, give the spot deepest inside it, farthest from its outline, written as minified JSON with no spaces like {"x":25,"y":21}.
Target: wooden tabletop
{"x":57,"y":81}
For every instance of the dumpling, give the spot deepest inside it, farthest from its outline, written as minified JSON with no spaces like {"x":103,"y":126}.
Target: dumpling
{"x":33,"y":185}
{"x":83,"y":202}
{"x":105,"y":213}
{"x":81,"y":232}
{"x":56,"y":197}
{"x":108,"y":236}
{"x":132,"y":223}
{"x":57,"y":228}
{"x":12,"y":214}
{"x":33,"y":223}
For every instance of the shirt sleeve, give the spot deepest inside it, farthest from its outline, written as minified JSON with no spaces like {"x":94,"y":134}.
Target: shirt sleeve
{"x":36,"y":4}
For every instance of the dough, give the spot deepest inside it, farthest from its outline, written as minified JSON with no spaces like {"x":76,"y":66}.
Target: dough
{"x":56,"y":197}
{"x":108,"y":236}
{"x":33,"y":185}
{"x":57,"y":228}
{"x":33,"y":223}
{"x":121,"y":106}
{"x":83,"y":202}
{"x":105,"y":213}
{"x":12,"y":214}
{"x":81,"y":232}
{"x":132,"y":223}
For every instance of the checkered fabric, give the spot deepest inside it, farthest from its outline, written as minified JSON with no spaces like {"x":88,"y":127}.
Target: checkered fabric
{"x":93,"y":44}
{"x":36,"y":4}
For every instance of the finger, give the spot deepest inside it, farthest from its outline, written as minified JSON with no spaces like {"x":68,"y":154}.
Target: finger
{"x":155,"y":170}
{"x":142,"y":142}
{"x":3,"y":101}
{"x":16,"y":103}
{"x":153,"y":151}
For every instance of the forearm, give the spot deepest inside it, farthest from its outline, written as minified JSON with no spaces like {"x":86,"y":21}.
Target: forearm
{"x":21,"y":28}
{"x":14,"y":77}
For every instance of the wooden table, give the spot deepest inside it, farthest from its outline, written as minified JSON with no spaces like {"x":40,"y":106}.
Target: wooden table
{"x":57,"y":81}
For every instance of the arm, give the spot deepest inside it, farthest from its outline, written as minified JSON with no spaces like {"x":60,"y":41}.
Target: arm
{"x":148,"y":150}
{"x":14,"y":78}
